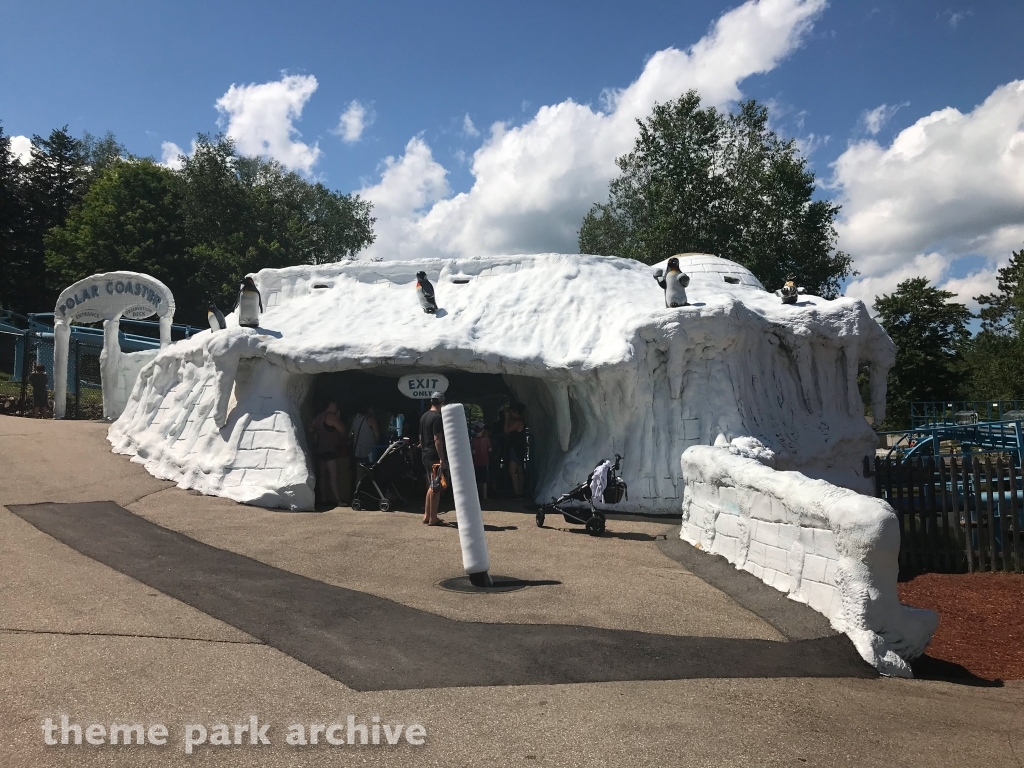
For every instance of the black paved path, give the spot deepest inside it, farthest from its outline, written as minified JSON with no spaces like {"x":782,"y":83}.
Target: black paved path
{"x":370,"y":643}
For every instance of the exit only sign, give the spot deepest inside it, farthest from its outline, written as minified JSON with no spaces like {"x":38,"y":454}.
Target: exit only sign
{"x":420,"y":386}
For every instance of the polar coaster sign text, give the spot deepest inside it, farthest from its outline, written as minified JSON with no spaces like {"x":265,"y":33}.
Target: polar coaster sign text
{"x":98,"y":299}
{"x":108,"y":297}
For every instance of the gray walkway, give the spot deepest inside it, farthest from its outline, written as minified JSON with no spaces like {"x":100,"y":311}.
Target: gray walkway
{"x":82,"y":638}
{"x":369,"y":643}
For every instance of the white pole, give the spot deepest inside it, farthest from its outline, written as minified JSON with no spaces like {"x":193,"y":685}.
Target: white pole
{"x":467,"y":502}
{"x":61,"y":339}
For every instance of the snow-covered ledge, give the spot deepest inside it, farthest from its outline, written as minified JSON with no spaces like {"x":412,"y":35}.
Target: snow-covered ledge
{"x":829,"y":547}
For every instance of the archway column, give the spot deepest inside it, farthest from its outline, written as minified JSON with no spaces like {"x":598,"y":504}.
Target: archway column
{"x":106,"y":297}
{"x":61,"y":343}
{"x":110,"y":362}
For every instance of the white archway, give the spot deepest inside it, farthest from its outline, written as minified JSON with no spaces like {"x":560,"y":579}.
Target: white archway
{"x":107,"y":297}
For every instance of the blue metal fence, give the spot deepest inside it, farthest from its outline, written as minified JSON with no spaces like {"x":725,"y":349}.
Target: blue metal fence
{"x":20,"y":352}
{"x":963,"y":412}
{"x":988,"y":437}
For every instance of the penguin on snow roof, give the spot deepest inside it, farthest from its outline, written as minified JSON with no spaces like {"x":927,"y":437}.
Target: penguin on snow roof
{"x":250,"y":304}
{"x":674,"y":284}
{"x":216,"y":317}
{"x":425,"y":291}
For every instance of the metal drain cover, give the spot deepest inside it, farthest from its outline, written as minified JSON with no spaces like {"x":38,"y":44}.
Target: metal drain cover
{"x":500,"y":584}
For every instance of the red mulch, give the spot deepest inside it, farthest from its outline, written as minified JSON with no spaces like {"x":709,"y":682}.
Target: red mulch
{"x":981,"y":620}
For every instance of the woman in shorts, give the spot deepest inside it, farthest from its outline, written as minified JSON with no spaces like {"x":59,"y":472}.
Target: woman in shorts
{"x":327,"y":433}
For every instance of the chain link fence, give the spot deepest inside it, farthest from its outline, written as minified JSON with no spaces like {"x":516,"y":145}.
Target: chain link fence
{"x":20,"y":353}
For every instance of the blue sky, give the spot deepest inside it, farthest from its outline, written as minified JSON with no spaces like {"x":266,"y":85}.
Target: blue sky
{"x":845,"y":79}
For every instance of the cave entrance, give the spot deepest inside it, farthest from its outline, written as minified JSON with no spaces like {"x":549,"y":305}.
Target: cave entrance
{"x":483,"y":394}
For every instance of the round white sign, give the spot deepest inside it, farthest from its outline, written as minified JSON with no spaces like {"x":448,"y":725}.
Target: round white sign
{"x":114,"y":294}
{"x":420,"y":386}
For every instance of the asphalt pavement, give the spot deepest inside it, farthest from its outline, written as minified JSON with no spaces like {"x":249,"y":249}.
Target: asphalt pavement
{"x":124,"y":600}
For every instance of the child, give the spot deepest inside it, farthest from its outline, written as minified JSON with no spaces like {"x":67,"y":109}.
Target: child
{"x":481,"y":447}
{"x":40,"y":395}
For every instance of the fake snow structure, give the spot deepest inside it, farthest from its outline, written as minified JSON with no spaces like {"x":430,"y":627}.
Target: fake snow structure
{"x":603,"y":368}
{"x":829,"y":547}
{"x":584,"y":341}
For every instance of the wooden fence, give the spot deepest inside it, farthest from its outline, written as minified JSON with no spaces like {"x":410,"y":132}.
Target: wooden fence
{"x":956,"y":514}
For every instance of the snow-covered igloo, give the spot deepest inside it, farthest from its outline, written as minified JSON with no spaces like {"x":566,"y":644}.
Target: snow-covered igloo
{"x":584,"y":341}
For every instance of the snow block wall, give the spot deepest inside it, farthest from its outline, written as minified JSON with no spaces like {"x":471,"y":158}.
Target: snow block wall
{"x":586,"y":342}
{"x":829,"y":547}
{"x":237,"y":434}
{"x":124,"y":377}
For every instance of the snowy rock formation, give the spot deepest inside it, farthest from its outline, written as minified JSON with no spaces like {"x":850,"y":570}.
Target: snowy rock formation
{"x":584,"y":341}
{"x":833,"y":549}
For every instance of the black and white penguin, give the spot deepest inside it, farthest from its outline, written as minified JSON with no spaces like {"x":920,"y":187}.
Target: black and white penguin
{"x":216,"y":317}
{"x":425,"y":291}
{"x":250,"y":304}
{"x":790,"y":291}
{"x":674,"y":283}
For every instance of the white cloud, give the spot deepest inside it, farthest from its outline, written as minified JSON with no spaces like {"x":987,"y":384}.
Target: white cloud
{"x":954,"y":17}
{"x":951,"y":185}
{"x":811,"y":143}
{"x":867,"y":287}
{"x":260,"y":118}
{"x":21,"y":148}
{"x":874,"y":119}
{"x":935,"y":267}
{"x":409,"y":185}
{"x":353,"y":122}
{"x":533,"y":183}
{"x":171,"y":155}
{"x":468,"y":128}
{"x":974,"y":284}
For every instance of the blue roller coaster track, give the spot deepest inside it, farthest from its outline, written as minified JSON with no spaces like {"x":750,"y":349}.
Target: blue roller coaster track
{"x":965,"y":427}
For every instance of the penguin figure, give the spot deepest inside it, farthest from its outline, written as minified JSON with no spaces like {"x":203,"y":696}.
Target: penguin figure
{"x":426,"y":293}
{"x":674,"y":283}
{"x":790,"y":292}
{"x":216,"y":317}
{"x":250,"y":304}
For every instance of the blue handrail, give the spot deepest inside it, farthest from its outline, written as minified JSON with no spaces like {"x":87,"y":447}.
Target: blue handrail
{"x":982,"y":437}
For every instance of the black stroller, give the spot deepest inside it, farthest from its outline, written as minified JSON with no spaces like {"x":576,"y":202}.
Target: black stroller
{"x":567,"y":505}
{"x":394,"y":464}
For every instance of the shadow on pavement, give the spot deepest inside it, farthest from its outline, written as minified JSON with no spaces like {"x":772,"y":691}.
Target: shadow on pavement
{"x":371,"y":643}
{"x":929,"y":668}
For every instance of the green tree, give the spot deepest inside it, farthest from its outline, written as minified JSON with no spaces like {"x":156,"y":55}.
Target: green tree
{"x":331,"y":226}
{"x":701,"y":180}
{"x":57,"y":176}
{"x":996,"y":355}
{"x":12,"y":220}
{"x":201,"y":229}
{"x":100,"y":152}
{"x":246,"y":213}
{"x":131,"y":219}
{"x":929,"y":331}
{"x":52,"y":183}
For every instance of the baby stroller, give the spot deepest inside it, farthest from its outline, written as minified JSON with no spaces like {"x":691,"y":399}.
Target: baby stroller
{"x":392,"y":465}
{"x":611,"y":487}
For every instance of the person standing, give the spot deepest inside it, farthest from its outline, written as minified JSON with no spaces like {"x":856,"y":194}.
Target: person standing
{"x":515,"y":438}
{"x":345,"y":473}
{"x":365,"y":433}
{"x":328,"y":435}
{"x":481,"y":447}
{"x":499,"y":455}
{"x":40,"y":394}
{"x":435,"y":458}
